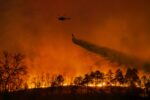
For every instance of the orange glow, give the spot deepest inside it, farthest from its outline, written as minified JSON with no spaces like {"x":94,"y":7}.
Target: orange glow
{"x":100,"y":85}
{"x":33,"y":29}
{"x":47,"y":42}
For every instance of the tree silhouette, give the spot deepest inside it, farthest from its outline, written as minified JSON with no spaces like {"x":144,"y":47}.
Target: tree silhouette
{"x":87,"y":79}
{"x":58,"y":81}
{"x":110,"y":77}
{"x":78,"y":80}
{"x":12,"y":71}
{"x":97,"y":76}
{"x":119,"y":76}
{"x":131,"y":76}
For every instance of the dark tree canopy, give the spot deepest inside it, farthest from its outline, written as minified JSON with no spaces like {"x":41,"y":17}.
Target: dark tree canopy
{"x":119,"y":76}
{"x":12,"y":70}
{"x":97,"y":76}
{"x":131,"y":76}
{"x":109,"y":76}
{"x":87,"y":79}
{"x":58,"y":81}
{"x":78,"y":80}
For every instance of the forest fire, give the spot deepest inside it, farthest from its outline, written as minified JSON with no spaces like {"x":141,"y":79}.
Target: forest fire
{"x":92,"y":79}
{"x":81,"y":48}
{"x":13,"y":69}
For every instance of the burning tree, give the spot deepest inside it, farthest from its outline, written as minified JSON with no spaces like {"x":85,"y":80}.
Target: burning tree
{"x":119,"y":76}
{"x":12,"y":71}
{"x":78,"y":80}
{"x":58,"y":81}
{"x":131,"y":76}
{"x":87,"y":79}
{"x":97,"y":76}
{"x":144,"y":80}
{"x":110,"y":77}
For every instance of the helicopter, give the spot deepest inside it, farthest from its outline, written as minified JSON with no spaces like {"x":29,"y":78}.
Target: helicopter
{"x":63,"y":18}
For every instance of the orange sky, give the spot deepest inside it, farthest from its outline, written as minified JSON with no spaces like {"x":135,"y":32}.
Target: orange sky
{"x":32,"y":27}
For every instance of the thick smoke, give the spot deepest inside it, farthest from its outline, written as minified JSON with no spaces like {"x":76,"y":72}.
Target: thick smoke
{"x":113,"y":56}
{"x":32,"y":27}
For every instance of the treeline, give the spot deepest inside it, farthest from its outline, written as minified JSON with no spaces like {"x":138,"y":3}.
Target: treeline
{"x":95,"y":78}
{"x":13,"y":72}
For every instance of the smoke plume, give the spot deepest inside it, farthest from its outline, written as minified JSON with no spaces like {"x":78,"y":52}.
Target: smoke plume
{"x":113,"y":55}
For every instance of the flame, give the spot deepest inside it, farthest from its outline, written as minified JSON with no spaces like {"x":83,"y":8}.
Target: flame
{"x":99,"y":85}
{"x":31,"y":86}
{"x":69,"y":82}
{"x":65,"y":84}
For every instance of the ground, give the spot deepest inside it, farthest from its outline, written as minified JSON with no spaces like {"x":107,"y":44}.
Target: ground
{"x":76,"y":93}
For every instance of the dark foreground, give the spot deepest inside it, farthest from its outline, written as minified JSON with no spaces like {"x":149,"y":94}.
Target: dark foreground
{"x":77,"y":93}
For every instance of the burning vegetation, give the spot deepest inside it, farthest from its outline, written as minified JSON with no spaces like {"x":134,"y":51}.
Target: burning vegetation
{"x":13,"y":76}
{"x":111,"y":56}
{"x":16,"y":81}
{"x":93,"y":79}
